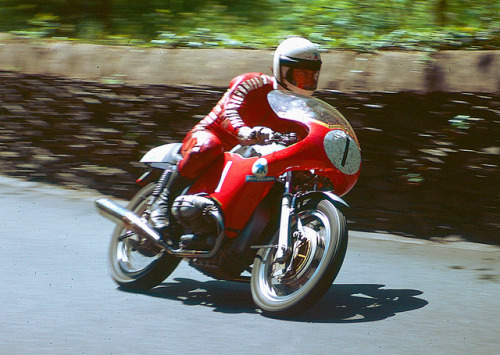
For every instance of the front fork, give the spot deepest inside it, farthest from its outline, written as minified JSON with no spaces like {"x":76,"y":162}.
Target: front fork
{"x":285,"y":236}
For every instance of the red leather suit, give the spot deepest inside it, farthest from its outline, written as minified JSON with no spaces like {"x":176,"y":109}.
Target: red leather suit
{"x":244,"y":104}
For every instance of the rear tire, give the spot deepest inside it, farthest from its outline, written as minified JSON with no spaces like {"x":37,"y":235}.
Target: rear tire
{"x":314,"y":267}
{"x":128,"y":267}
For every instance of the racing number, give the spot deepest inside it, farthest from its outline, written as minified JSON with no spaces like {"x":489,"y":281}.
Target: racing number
{"x":343,"y":153}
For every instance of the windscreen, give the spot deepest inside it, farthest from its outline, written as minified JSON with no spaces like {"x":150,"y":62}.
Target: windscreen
{"x":287,"y":104}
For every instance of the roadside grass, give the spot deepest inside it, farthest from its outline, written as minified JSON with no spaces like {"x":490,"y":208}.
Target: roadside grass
{"x":362,"y":25}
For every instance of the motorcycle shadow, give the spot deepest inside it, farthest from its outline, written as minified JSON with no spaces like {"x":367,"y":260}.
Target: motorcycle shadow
{"x":359,"y":303}
{"x":343,"y":303}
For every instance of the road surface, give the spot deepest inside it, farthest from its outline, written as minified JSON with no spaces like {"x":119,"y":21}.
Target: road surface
{"x":392,"y":296}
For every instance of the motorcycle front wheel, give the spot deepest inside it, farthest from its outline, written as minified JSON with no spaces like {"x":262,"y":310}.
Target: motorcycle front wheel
{"x":133,"y":264}
{"x":312,"y":268}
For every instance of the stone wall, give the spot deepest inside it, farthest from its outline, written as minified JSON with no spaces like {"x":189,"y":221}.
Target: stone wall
{"x":346,"y":71}
{"x":430,"y":160}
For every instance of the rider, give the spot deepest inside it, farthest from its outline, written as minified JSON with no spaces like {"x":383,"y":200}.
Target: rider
{"x":242,"y":116}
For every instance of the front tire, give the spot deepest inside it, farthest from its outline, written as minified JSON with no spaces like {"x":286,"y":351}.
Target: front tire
{"x":129,"y":266}
{"x":314,"y":266}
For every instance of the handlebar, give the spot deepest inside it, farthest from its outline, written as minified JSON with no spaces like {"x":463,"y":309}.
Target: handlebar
{"x":283,"y":138}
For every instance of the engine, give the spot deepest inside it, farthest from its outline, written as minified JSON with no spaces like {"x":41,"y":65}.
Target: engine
{"x":193,"y":213}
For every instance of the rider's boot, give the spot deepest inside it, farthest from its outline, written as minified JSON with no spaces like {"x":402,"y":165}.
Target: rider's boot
{"x":160,"y":210}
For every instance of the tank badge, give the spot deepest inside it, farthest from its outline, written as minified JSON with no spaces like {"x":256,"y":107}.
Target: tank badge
{"x":260,"y":169}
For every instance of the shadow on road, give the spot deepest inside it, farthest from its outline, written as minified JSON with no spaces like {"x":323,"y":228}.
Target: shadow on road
{"x":222,"y":296}
{"x":343,"y":303}
{"x":346,"y":303}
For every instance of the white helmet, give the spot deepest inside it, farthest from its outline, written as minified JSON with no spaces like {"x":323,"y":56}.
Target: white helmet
{"x":294,"y":56}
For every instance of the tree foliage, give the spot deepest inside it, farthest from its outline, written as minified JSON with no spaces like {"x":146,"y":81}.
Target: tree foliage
{"x":354,"y":24}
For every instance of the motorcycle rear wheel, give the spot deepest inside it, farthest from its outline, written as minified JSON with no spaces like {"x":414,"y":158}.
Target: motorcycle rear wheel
{"x":131,"y":266}
{"x":314,"y":267}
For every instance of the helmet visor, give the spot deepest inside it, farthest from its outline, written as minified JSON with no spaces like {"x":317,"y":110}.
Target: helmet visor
{"x":300,"y":63}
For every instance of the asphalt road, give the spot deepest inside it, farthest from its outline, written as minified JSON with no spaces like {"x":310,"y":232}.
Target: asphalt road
{"x":392,"y":296}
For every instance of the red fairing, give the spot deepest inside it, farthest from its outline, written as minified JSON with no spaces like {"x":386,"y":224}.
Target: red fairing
{"x":226,"y":181}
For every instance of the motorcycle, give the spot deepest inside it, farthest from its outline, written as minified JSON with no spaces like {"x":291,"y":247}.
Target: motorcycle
{"x":271,"y":215}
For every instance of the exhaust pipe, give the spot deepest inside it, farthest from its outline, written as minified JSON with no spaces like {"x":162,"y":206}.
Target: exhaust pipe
{"x":123,"y":216}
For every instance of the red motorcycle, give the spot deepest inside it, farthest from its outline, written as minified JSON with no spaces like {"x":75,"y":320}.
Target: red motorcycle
{"x":266,"y":214}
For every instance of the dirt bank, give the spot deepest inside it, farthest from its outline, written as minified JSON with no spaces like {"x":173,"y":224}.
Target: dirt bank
{"x":430,"y":160}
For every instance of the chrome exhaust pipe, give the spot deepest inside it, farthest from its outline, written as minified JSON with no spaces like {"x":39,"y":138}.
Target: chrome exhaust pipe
{"x":123,"y":216}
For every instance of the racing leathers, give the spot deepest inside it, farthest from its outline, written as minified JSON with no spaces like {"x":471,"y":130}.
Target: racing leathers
{"x":234,"y":120}
{"x":243,"y":106}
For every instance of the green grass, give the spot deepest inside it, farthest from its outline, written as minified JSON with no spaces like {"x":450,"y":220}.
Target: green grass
{"x":363,"y":25}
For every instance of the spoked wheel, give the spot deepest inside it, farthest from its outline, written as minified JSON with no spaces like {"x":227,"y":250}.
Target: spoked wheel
{"x":135,"y":264}
{"x":310,"y":270}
